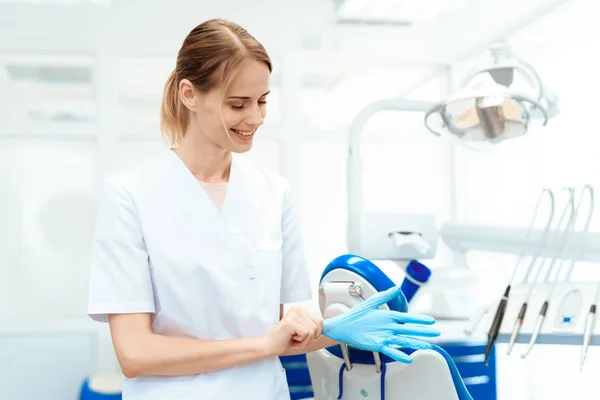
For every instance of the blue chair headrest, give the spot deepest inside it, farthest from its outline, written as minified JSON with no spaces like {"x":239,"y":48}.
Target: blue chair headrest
{"x":87,"y":393}
{"x":370,"y":273}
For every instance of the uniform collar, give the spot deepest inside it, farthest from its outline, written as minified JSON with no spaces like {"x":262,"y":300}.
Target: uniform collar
{"x":189,"y":194}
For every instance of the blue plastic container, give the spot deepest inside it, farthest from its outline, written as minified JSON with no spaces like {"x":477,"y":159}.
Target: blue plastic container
{"x":417,"y":274}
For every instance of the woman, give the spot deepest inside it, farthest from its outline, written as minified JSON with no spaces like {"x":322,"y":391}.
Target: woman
{"x":196,"y":251}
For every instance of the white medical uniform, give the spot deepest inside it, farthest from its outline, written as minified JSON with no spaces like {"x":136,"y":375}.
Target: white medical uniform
{"x":161,"y":246}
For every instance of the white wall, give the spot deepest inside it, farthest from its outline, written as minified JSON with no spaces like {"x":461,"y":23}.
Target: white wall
{"x":48,"y":201}
{"x":501,"y":187}
{"x":404,"y":171}
{"x":48,"y":182}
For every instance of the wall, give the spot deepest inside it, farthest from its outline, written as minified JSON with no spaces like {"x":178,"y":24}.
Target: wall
{"x":55,"y":151}
{"x":49,"y":173}
{"x":500,"y":187}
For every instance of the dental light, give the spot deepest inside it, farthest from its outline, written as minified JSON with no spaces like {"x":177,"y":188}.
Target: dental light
{"x":486,"y":109}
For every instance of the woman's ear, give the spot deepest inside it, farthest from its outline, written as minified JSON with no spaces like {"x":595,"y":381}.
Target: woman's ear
{"x":187,"y":94}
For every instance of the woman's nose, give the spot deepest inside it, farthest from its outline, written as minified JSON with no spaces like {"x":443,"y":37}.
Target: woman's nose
{"x":255,"y":117}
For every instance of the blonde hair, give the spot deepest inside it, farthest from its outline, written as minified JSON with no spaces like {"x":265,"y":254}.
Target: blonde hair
{"x":209,"y":57}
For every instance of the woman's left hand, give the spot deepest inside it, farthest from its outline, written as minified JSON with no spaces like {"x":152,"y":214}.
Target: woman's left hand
{"x":297,"y":329}
{"x":369,"y":328}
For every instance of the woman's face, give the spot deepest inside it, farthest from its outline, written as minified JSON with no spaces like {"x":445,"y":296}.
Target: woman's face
{"x":242,"y":108}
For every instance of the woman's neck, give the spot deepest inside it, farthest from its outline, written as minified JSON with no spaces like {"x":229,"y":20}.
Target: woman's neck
{"x":206,"y":161}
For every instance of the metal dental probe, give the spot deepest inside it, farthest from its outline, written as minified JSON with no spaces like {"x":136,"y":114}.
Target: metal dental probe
{"x":590,"y":321}
{"x":499,"y":316}
{"x":520,"y":318}
{"x":536,"y":255}
{"x":590,"y":324}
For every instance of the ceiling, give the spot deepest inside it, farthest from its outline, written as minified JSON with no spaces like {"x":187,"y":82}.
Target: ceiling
{"x":347,"y":52}
{"x":394,"y":30}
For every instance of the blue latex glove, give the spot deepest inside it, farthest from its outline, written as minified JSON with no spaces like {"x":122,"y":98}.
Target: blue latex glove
{"x":367,"y":327}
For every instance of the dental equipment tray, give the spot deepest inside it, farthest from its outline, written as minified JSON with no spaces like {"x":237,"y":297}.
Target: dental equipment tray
{"x":565,"y":320}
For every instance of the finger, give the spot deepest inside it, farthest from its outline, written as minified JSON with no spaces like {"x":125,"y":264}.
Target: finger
{"x":313,"y":329}
{"x":316,"y":324}
{"x":307,"y":340}
{"x":299,"y":331}
{"x":300,"y":337}
{"x":415,"y":330}
{"x":409,"y":318}
{"x":302,"y":333}
{"x":410,"y":343}
{"x":396,"y":354}
{"x":306,"y":325}
{"x":319,"y":322}
{"x":385,"y":296}
{"x":309,"y":322}
{"x":301,"y":343}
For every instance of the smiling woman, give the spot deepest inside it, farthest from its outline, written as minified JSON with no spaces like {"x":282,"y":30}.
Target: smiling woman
{"x":246,"y":98}
{"x":196,"y":250}
{"x":223,"y":55}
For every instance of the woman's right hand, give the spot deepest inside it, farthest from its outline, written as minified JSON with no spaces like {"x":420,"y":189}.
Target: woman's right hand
{"x":297,"y":329}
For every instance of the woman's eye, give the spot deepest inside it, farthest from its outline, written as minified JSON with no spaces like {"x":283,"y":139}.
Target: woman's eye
{"x":242,"y":106}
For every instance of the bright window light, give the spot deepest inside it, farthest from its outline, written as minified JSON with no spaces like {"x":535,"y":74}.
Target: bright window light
{"x":404,"y":11}
{"x":104,"y":3}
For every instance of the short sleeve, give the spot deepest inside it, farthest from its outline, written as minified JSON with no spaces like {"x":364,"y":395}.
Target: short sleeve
{"x":120,"y":281}
{"x":295,"y":281}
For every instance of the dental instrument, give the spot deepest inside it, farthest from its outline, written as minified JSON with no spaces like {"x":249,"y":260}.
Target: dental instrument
{"x":499,"y":316}
{"x":530,"y":267}
{"x":590,"y":321}
{"x":590,"y":324}
{"x":481,"y":314}
{"x":569,"y":206}
{"x":519,"y":321}
{"x":496,"y":324}
{"x":566,"y":304}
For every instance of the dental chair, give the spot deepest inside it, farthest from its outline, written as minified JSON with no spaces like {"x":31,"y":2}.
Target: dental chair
{"x":344,"y":372}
